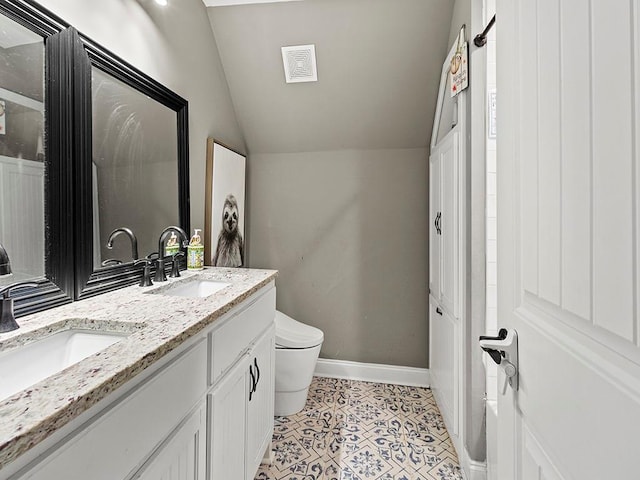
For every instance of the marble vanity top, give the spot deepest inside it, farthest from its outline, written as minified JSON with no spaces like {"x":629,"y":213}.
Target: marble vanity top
{"x":155,"y":323}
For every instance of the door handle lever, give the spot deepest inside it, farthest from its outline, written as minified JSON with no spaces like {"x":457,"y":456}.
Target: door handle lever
{"x":502,"y":335}
{"x":495,"y":355}
{"x":503,"y":349}
{"x":492,"y":345}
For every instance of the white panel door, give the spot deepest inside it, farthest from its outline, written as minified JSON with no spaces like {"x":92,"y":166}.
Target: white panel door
{"x":449,"y":156}
{"x":444,"y":365}
{"x":434,"y":228}
{"x":184,"y":456}
{"x":443,"y":246}
{"x":227,"y":421}
{"x":22,"y":218}
{"x":568,"y":243}
{"x":261,"y":399}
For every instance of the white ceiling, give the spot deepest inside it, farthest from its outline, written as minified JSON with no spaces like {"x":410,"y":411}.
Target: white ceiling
{"x":379,"y":64}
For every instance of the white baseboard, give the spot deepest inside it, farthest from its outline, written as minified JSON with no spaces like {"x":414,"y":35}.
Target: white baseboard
{"x":268,"y":456}
{"x":471,"y":469}
{"x":373,"y":372}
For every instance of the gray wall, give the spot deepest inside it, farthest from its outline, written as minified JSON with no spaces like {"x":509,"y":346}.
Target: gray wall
{"x":379,"y":64}
{"x":461,"y":15}
{"x":174,"y":45}
{"x":345,"y":222}
{"x":348,"y":231}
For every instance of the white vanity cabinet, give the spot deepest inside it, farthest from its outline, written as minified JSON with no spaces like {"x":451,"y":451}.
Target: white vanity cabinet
{"x":241,"y":400}
{"x":204,"y":412}
{"x":120,"y":438}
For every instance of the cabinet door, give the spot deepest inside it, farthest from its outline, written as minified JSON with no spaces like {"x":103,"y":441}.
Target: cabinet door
{"x":434,"y":231}
{"x":227,"y":424}
{"x":184,"y":455}
{"x":261,"y":398}
{"x":449,"y":154}
{"x":444,"y":365}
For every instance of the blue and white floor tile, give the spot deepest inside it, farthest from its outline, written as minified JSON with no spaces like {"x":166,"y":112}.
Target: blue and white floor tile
{"x":352,"y":430}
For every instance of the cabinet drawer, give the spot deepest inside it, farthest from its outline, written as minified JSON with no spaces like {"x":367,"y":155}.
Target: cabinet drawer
{"x":234,"y":337}
{"x":112,"y":446}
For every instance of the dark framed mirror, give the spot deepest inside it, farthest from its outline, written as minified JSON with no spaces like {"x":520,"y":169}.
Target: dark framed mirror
{"x":35,"y":184}
{"x":84,"y":131}
{"x":133,"y":175}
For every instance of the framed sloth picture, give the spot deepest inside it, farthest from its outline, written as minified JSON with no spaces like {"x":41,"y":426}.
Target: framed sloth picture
{"x":224,"y":206}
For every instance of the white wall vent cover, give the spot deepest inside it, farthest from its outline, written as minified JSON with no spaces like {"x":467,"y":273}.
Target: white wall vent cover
{"x":300,"y":63}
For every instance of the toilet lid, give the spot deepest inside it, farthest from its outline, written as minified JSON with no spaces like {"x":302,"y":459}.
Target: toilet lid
{"x":292,"y":334}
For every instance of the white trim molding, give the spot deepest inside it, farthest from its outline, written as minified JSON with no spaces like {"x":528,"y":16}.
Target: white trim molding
{"x":471,"y":469}
{"x":373,"y":372}
{"x":224,"y":3}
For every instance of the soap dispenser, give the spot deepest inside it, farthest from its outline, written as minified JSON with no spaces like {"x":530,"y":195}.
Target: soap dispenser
{"x":172,"y":247}
{"x":195,"y":252}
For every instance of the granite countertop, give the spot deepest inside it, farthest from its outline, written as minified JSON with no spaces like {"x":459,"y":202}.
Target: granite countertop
{"x":155,"y":323}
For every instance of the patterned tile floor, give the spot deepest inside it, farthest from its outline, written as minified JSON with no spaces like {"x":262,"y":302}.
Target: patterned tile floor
{"x":352,"y":430}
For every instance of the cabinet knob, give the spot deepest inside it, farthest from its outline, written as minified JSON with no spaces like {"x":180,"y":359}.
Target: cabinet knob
{"x":438,"y":311}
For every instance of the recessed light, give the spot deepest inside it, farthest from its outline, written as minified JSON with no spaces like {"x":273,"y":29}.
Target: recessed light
{"x":163,"y":3}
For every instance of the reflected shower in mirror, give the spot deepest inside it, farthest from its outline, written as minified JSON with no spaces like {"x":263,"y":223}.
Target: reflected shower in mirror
{"x":22,"y":222}
{"x":134,"y":171}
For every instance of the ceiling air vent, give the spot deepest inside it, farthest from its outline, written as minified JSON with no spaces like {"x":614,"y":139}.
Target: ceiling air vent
{"x":300,"y":63}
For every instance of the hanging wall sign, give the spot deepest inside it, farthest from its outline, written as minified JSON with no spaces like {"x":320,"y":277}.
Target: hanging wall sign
{"x":459,"y":69}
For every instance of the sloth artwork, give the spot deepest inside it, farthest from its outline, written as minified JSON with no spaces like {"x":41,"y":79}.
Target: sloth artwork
{"x":230,"y":249}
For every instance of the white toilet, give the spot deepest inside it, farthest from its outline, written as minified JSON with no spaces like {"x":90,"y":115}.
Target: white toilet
{"x":297,"y":350}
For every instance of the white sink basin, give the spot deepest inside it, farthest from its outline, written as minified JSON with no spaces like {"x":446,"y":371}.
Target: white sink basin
{"x":196,"y":289}
{"x":24,"y":366}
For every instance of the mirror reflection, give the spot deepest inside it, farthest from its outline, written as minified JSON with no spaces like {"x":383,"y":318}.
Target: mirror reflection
{"x":22,"y":227}
{"x":135,"y":171}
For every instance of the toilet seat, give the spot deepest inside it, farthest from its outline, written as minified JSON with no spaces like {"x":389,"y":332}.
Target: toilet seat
{"x":292,"y":334}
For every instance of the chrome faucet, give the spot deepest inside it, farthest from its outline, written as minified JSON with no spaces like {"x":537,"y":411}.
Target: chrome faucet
{"x":7,"y":318}
{"x":160,"y":275}
{"x":5,"y":264}
{"x":132,"y":237}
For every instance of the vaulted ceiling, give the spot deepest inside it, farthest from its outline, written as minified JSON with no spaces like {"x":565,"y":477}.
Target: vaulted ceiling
{"x":379,"y":66}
